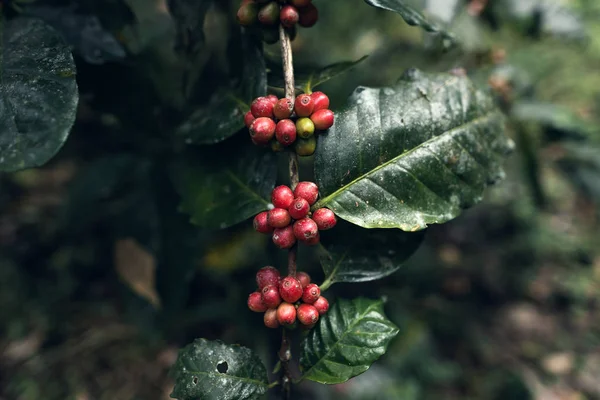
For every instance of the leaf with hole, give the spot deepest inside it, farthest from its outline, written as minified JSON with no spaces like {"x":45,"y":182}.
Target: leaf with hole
{"x":346,"y":341}
{"x":410,"y":155}
{"x":38,"y":93}
{"x":214,"y":370}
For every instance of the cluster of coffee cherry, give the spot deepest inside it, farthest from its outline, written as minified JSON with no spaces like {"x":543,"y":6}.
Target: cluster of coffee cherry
{"x":285,"y":300}
{"x":296,"y":123}
{"x":290,"y":219}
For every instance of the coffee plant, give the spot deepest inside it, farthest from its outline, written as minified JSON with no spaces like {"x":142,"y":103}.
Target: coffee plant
{"x":352,"y":186}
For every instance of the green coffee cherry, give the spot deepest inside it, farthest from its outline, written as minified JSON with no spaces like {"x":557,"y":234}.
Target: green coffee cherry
{"x":270,"y":34}
{"x":305,"y":128}
{"x":247,"y":14}
{"x":269,"y":14}
{"x":306,"y":147}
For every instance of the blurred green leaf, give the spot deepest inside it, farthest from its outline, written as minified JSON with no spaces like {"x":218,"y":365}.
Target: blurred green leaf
{"x":38,"y":93}
{"x":213,"y":370}
{"x":411,"y":155}
{"x":189,"y":22}
{"x":581,"y":164}
{"x":346,"y":341}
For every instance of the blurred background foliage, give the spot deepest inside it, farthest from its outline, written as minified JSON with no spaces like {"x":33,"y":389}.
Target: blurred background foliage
{"x":102,"y":279}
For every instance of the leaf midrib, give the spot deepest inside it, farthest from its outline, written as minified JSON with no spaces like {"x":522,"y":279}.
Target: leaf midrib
{"x":231,"y":377}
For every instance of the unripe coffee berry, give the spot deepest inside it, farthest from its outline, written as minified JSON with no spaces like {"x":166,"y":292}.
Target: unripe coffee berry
{"x":324,"y":218}
{"x":286,"y":314}
{"x":255,"y":302}
{"x":305,"y":229}
{"x":260,"y":223}
{"x":322,"y":305}
{"x":310,"y":294}
{"x":290,"y":289}
{"x":285,"y":132}
{"x":303,"y":278}
{"x":320,"y":100}
{"x":270,"y":319}
{"x":307,"y":314}
{"x":273,"y":99}
{"x":248,"y":119}
{"x":282,"y":197}
{"x":267,"y":276}
{"x":283,"y":108}
{"x":289,"y":16}
{"x":276,"y":146}
{"x":271,"y":297}
{"x":300,"y":3}
{"x":299,"y":208}
{"x":308,"y":16}
{"x":248,"y":14}
{"x":278,"y":218}
{"x":262,"y":107}
{"x":284,"y":237}
{"x":269,"y":14}
{"x":313,"y":241}
{"x":305,"y":147}
{"x":323,"y":119}
{"x":270,"y":34}
{"x":305,"y":128}
{"x":304,"y":105}
{"x":308,"y":191}
{"x":262,"y":130}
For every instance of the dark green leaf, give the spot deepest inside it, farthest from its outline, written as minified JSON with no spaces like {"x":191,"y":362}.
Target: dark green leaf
{"x":38,"y":93}
{"x":411,"y":155}
{"x":212,"y":370}
{"x":581,"y":164}
{"x":346,"y":341}
{"x":218,"y":192}
{"x":359,"y":255}
{"x":412,"y":17}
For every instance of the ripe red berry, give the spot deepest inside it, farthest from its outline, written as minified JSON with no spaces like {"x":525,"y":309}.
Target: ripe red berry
{"x":262,"y":130}
{"x":284,"y":237}
{"x":271,"y":297}
{"x":308,"y":191}
{"x":304,"y":105}
{"x":300,"y":3}
{"x":255,"y":302}
{"x":323,"y":119}
{"x":305,"y":147}
{"x":262,"y":107}
{"x":324,"y":218}
{"x":308,"y":16}
{"x":248,"y":119}
{"x":286,"y":314}
{"x":310,"y":294}
{"x":299,"y":208}
{"x":304,"y":278}
{"x":285,"y":132}
{"x":278,"y":218}
{"x":247,"y":13}
{"x":305,"y":229}
{"x":305,"y":128}
{"x":269,"y":13}
{"x":273,"y":99}
{"x":282,"y":197}
{"x":320,"y":100}
{"x":260,"y":223}
{"x":289,"y":16}
{"x":270,"y":318}
{"x":314,"y":241}
{"x":267,"y":276}
{"x":290,"y":289}
{"x":307,"y":314}
{"x":283,"y":108}
{"x":322,"y":305}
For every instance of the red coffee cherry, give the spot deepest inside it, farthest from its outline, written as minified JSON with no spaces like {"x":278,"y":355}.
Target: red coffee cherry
{"x":322,"y":305}
{"x":310,"y":294}
{"x":262,"y":130}
{"x":308,"y":191}
{"x":305,"y":147}
{"x":260,"y":223}
{"x":284,"y":237}
{"x":304,"y":278}
{"x":286,"y":314}
{"x":309,"y":16}
{"x":285,"y":132}
{"x":290,"y":289}
{"x":269,"y":14}
{"x":282,"y":197}
{"x":248,"y":119}
{"x":262,"y":107}
{"x":283,"y":108}
{"x":324,"y":218}
{"x":255,"y":302}
{"x":299,"y":3}
{"x":289,"y":16}
{"x":314,"y":241}
{"x":304,"y":105}
{"x":305,"y":229}
{"x":320,"y":100}
{"x":305,"y":128}
{"x":270,"y":319}
{"x":271,"y":297}
{"x":248,"y":14}
{"x":323,"y":119}
{"x":273,"y":99}
{"x":299,"y":208}
{"x":267,"y":276}
{"x":278,"y":218}
{"x":307,"y":314}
